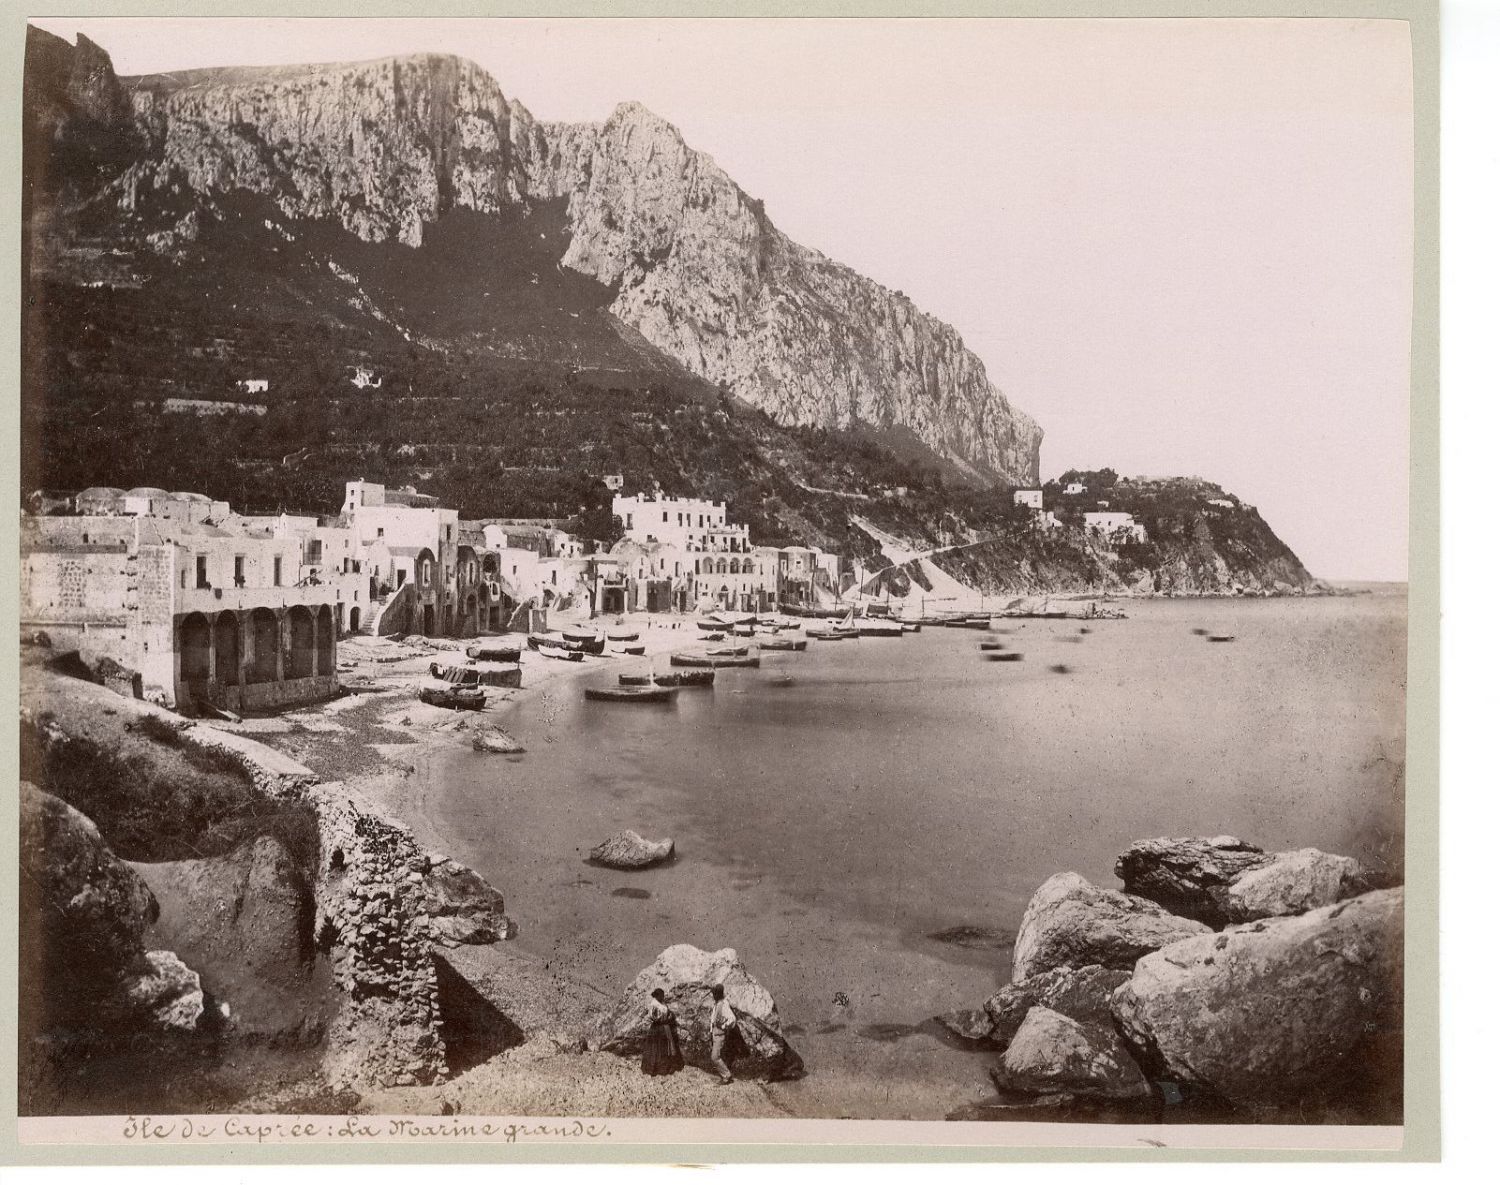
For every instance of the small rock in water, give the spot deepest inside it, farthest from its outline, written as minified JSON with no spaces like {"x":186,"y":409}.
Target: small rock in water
{"x":1061,"y":668}
{"x":634,"y":894}
{"x":626,"y":849}
{"x":974,"y":937}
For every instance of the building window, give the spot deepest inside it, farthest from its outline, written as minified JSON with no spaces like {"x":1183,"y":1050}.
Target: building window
{"x":663,"y":516}
{"x":276,"y":571}
{"x":202,"y":566}
{"x":380,"y":532}
{"x":239,"y":571}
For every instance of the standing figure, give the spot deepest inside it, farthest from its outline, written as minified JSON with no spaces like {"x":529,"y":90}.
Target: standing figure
{"x":720,"y":1025}
{"x":662,"y":1053}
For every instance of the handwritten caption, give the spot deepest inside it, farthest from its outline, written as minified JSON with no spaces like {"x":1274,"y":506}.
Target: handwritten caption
{"x":260,"y":1129}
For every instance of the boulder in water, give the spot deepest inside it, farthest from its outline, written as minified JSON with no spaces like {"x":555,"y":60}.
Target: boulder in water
{"x":463,"y":907}
{"x":1072,"y":923}
{"x":493,"y":740}
{"x":165,"y":992}
{"x":1292,"y":1015}
{"x":1052,"y":1053}
{"x":1079,"y":992}
{"x":626,"y":849}
{"x":686,"y":976}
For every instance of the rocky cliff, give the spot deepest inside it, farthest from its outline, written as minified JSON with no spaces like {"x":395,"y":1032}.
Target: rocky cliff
{"x":386,"y":149}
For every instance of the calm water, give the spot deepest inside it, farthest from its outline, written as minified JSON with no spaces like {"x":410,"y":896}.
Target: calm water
{"x":896,"y":788}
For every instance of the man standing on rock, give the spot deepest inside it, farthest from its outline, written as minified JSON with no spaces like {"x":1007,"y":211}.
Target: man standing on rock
{"x":720,"y":1024}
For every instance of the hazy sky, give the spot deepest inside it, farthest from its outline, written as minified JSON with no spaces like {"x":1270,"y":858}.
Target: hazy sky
{"x":1184,"y":246}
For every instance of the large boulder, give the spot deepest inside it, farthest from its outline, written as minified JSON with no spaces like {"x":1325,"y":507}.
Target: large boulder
{"x":1052,"y":1053}
{"x":686,"y":974}
{"x":1082,"y":993}
{"x":463,"y":907}
{"x":1072,"y":923}
{"x":1293,"y":1015}
{"x":1188,"y":876}
{"x":626,"y":849}
{"x":83,"y":912}
{"x":1223,"y":880}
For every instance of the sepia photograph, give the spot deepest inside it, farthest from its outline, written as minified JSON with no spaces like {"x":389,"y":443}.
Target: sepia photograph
{"x":582,"y":571}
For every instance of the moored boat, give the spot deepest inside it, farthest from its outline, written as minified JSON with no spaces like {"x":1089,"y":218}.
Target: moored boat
{"x":635,"y":680}
{"x":631,"y":695}
{"x":880,"y":629}
{"x":690,"y":678}
{"x":696,"y":660}
{"x":784,"y":644}
{"x":728,"y":652}
{"x":1003,"y":656}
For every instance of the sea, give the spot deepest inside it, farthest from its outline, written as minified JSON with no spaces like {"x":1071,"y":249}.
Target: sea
{"x":864,"y":822}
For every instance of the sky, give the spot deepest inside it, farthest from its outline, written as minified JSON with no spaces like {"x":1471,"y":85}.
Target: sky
{"x":1183,"y":246}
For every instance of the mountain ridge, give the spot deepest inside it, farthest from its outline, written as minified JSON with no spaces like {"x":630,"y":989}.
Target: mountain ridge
{"x":387,"y":147}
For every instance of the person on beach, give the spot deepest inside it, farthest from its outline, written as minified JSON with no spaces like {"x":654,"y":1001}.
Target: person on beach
{"x":720,"y":1024}
{"x":663,"y":1052}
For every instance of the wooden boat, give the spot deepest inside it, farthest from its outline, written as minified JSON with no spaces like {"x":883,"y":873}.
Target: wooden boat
{"x":478,"y":674}
{"x":1003,"y":656}
{"x":784,"y":644}
{"x":445,"y":695}
{"x":631,"y":695}
{"x":631,"y":650}
{"x":715,"y":637}
{"x":622,"y":635}
{"x":689,"y":678}
{"x":829,"y":635}
{"x":589,"y":641}
{"x":635,"y":680}
{"x":992,"y":645}
{"x":494,"y":652}
{"x":728,"y":652}
{"x":743,"y":631}
{"x":666,"y":680}
{"x":1221,"y":637}
{"x":880,"y":629}
{"x":695,"y":660}
{"x":559,"y":653}
{"x":710,"y":626}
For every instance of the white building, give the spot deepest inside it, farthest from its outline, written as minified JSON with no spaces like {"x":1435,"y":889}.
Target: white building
{"x":690,"y":524}
{"x":1114,"y":524}
{"x":1028,"y":498}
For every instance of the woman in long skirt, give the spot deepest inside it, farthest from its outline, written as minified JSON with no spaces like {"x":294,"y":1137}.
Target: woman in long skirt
{"x":663,"y":1052}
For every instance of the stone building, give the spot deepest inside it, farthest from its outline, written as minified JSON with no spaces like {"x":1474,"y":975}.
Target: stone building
{"x":410,"y":544}
{"x":204,"y":613}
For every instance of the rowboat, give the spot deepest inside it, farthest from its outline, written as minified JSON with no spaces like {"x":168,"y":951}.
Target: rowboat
{"x":829,"y":635}
{"x":992,"y":645}
{"x":728,"y":652}
{"x":560,"y":653}
{"x":622,"y":635}
{"x":1221,"y":637}
{"x":494,"y":652}
{"x":880,"y":629}
{"x":589,"y":641}
{"x":784,"y":644}
{"x":1003,"y":656}
{"x":631,"y":695}
{"x":635,"y":680}
{"x":689,"y":678}
{"x":445,"y":695}
{"x":631,"y":650}
{"x":695,"y":660}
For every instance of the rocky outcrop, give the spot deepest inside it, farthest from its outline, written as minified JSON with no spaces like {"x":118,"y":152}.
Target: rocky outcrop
{"x":83,"y":916}
{"x":687,"y":260}
{"x":1298,"y":1014}
{"x":462,"y":907}
{"x":1221,"y":881}
{"x":1051,"y":1053}
{"x":626,"y":849}
{"x":686,"y":975}
{"x":1072,"y":923}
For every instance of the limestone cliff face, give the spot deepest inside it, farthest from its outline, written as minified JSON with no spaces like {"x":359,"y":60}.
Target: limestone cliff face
{"x":384,"y":147}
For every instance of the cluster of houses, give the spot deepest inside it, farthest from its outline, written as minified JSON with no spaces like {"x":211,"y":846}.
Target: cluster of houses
{"x":210,"y":606}
{"x":1112,"y":526}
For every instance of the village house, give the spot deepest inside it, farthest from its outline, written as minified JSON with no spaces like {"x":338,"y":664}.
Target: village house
{"x":1115,"y":525}
{"x":412,"y":549}
{"x":1031,"y":499}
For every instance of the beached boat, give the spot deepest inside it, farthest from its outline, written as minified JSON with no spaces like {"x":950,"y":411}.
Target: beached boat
{"x":829,"y":635}
{"x":479,"y":674}
{"x":631,"y":650}
{"x":743,"y":631}
{"x":559,"y":653}
{"x":622,"y":635}
{"x":784,"y":644}
{"x":589,"y":641}
{"x":728,"y":652}
{"x":635,"y":680}
{"x":631,"y":695}
{"x":494,"y":652}
{"x":879,"y":629}
{"x":446,"y":695}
